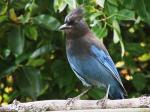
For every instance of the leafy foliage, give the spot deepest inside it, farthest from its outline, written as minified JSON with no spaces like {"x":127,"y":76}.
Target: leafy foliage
{"x":33,"y":64}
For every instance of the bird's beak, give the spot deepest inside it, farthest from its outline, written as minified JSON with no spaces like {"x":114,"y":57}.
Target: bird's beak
{"x":64,"y":27}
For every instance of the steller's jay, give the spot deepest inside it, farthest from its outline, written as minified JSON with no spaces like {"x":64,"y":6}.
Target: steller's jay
{"x":88,"y":57}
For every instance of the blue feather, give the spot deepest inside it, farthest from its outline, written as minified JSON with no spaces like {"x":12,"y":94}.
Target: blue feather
{"x":86,"y":69}
{"x":104,"y":58}
{"x":90,"y":71}
{"x":97,"y":69}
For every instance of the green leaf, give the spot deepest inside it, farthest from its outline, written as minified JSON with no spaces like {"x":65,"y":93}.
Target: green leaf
{"x":22,"y":58}
{"x":135,"y":49}
{"x":47,"y":22}
{"x":114,"y":2}
{"x":31,"y":8}
{"x":117,"y":36}
{"x":100,"y":31}
{"x":126,"y":14}
{"x":116,"y":31}
{"x":24,"y":18}
{"x":139,"y":81}
{"x":42,"y":50}
{"x":59,"y":5}
{"x":129,"y":4}
{"x":62,"y":73}
{"x":31,"y":32}
{"x":95,"y":15}
{"x":3,"y":7}
{"x":97,"y":93}
{"x":8,"y":71}
{"x":110,"y":9}
{"x":100,"y":3}
{"x":6,"y":52}
{"x":72,"y":4}
{"x":3,"y":18}
{"x":16,"y":40}
{"x":36,"y":62}
{"x":19,"y":5}
{"x":143,"y":10}
{"x":29,"y":82}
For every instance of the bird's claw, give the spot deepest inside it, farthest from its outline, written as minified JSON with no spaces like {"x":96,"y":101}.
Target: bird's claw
{"x":71,"y":100}
{"x":102,"y":102}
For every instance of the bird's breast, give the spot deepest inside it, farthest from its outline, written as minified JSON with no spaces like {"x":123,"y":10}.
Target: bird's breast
{"x":78,"y":47}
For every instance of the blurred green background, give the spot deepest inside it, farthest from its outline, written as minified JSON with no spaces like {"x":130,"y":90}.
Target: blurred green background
{"x":33,"y":64}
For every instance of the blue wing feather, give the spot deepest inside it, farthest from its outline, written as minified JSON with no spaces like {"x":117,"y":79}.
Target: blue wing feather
{"x":106,"y":60}
{"x":95,"y":68}
{"x":87,"y":69}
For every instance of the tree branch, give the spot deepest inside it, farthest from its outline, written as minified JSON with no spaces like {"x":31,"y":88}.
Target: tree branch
{"x":80,"y":105}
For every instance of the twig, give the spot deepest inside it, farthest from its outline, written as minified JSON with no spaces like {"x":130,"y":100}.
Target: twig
{"x":60,"y":105}
{"x":110,"y":110}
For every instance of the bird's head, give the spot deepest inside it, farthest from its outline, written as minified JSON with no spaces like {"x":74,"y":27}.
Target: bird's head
{"x":74,"y":22}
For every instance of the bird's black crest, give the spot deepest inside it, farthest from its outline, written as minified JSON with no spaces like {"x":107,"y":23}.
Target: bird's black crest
{"x":75,"y":15}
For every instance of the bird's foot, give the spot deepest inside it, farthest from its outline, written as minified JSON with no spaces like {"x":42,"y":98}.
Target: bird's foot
{"x":72,"y":100}
{"x":102,"y":102}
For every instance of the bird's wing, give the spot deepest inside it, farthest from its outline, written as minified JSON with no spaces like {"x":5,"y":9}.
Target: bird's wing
{"x":87,"y":69}
{"x":106,"y":60}
{"x":75,"y":65}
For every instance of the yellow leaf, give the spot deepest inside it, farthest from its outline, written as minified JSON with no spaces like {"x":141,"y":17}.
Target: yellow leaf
{"x":12,"y":15}
{"x":119,"y":64}
{"x":144,"y":57}
{"x":128,"y":77}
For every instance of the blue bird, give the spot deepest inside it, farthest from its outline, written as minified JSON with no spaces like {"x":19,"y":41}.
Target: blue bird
{"x":88,"y":57}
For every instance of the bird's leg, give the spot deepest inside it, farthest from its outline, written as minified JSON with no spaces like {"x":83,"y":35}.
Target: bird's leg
{"x":104,"y":100}
{"x":71,"y":100}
